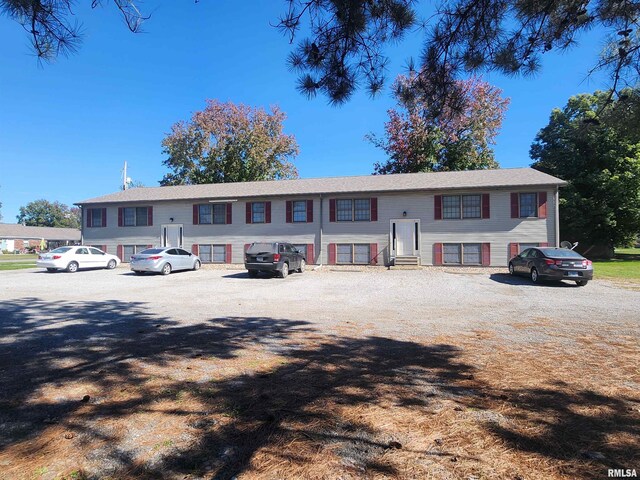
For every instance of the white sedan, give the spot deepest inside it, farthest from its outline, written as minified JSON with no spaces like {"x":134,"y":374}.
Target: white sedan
{"x":73,"y":258}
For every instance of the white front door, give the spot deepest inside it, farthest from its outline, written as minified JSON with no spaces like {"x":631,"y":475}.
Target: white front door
{"x":404,"y":235}
{"x":172,"y":235}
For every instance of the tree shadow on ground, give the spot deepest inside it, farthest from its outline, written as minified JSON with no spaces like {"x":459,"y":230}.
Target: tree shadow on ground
{"x":584,"y":431}
{"x":99,"y":342}
{"x":304,"y":401}
{"x":308,"y":407}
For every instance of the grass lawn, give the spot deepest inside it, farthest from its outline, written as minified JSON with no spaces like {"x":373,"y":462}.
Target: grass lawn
{"x":625,"y":265}
{"x":12,"y":258}
{"x":17,"y":262}
{"x":16,"y":266}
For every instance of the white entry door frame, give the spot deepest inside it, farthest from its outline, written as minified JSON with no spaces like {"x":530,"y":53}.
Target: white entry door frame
{"x":404,"y":235}
{"x":172,"y":235}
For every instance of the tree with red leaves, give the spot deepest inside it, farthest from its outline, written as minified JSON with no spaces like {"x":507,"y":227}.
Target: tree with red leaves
{"x":226,"y":142}
{"x":423,"y":135}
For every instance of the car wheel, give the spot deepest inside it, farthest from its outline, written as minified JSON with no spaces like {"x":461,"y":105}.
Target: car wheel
{"x":72,"y":267}
{"x":111,"y":265}
{"x":512,"y":271}
{"x":196,"y":266}
{"x":303,"y":264}
{"x":285,"y":270}
{"x":534,"y":275}
{"x":253,"y":273}
{"x":166,"y":269}
{"x":581,"y":283}
{"x":51,"y":269}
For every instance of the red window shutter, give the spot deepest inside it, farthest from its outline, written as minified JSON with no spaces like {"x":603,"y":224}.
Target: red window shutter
{"x":332,"y":210}
{"x":196,"y":215}
{"x":543,"y":244}
{"x":120,"y":252}
{"x":149,"y":246}
{"x":309,"y":211}
{"x":486,"y":207}
{"x":149,"y":216}
{"x":229,"y":213}
{"x":374,"y":209}
{"x":246,"y":247}
{"x":373,"y":252}
{"x":515,"y":205}
{"x":248,"y":215}
{"x":437,"y":207}
{"x":332,"y":254}
{"x":267,"y":212}
{"x":89,"y":217}
{"x":486,"y":254}
{"x":104,"y":217}
{"x":120,"y":218}
{"x":513,"y":250}
{"x":104,"y":248}
{"x":310,"y":254}
{"x":289,"y":214}
{"x":437,"y":254}
{"x":542,"y":204}
{"x":227,"y":252}
{"x":195,"y":249}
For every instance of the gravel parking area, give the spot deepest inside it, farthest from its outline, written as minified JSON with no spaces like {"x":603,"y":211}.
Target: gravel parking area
{"x":363,"y":373}
{"x":402,"y":303}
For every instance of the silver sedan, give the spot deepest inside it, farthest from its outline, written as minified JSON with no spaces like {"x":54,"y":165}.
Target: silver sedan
{"x":164,"y":260}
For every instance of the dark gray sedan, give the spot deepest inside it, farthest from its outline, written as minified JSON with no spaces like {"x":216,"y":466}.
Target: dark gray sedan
{"x":546,"y":263}
{"x":164,"y":260}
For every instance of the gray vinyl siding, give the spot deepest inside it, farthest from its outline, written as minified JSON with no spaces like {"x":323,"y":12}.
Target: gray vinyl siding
{"x":499,"y":230}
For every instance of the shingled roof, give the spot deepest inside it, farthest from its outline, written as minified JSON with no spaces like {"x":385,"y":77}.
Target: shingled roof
{"x":434,"y":181}
{"x":16,"y":230}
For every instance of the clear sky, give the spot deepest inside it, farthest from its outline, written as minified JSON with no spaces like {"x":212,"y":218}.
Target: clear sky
{"x":66,"y":128}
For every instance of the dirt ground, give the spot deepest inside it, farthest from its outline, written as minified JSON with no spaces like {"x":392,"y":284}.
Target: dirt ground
{"x":339,"y":374}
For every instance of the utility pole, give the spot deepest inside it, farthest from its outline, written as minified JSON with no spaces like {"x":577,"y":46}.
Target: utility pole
{"x":125,"y":180}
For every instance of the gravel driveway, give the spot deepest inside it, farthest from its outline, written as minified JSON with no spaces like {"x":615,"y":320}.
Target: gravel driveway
{"x":212,"y":374}
{"x":400,"y":303}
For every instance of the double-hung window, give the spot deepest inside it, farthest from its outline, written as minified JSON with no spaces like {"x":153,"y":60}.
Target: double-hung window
{"x":212,"y":253}
{"x":215,"y":213}
{"x":358,"y":253}
{"x":344,"y":210}
{"x":257,"y":212}
{"x":462,"y":254}
{"x":95,"y":216}
{"x":528,"y":205}
{"x":299,"y":211}
{"x":461,"y":206}
{"x":349,"y":210}
{"x":135,"y":216}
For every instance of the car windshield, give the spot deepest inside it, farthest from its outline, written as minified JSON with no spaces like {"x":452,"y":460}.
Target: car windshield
{"x":261,"y":247}
{"x":560,"y":253}
{"x":152,"y":251}
{"x":61,"y":250}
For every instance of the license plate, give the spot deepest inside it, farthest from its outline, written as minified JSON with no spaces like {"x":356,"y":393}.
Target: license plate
{"x":572,"y":274}
{"x":260,"y":259}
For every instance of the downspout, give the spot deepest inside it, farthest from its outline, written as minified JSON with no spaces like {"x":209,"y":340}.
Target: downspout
{"x":557,"y":216}
{"x":82,"y":224}
{"x":320,"y":239}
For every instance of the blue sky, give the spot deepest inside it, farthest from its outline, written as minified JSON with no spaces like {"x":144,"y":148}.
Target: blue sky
{"x":66,"y":128}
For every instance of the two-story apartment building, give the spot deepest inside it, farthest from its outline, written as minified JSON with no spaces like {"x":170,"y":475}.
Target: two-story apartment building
{"x":446,"y":218}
